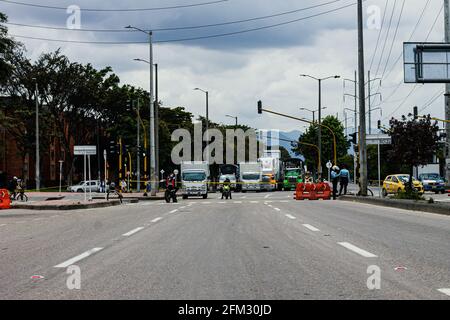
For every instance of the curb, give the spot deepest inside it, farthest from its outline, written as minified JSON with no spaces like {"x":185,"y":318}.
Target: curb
{"x":411,"y":205}
{"x":112,"y":203}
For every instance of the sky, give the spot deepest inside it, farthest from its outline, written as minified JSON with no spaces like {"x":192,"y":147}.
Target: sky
{"x":315,"y":37}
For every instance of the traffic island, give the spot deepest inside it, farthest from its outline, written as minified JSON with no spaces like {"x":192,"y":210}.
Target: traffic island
{"x":65,"y":205}
{"x":424,"y":206}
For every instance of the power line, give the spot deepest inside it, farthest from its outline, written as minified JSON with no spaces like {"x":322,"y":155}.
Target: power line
{"x":182,"y":27}
{"x":192,"y":38}
{"x":379,"y":35}
{"x":116,"y":10}
{"x":386,"y":39}
{"x":435,"y":97}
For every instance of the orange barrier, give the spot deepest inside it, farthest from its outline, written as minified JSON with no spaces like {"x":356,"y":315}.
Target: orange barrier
{"x":5,"y":201}
{"x":323,"y":191}
{"x":305,"y":191}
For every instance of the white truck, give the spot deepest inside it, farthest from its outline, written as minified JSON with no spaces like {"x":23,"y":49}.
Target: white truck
{"x":250,"y":173}
{"x":194,"y":179}
{"x":271,"y":170}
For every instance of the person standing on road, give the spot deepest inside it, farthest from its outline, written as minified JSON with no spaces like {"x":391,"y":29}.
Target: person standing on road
{"x":335,"y":179}
{"x":344,"y":179}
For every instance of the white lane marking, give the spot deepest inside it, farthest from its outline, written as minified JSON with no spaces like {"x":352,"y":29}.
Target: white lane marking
{"x":78,"y":258}
{"x":130,"y":233}
{"x":310,"y":227}
{"x":55,"y":216}
{"x":222,"y":202}
{"x":38,"y":219}
{"x":277,"y":209}
{"x":206,"y":202}
{"x":284,"y":201}
{"x":147,"y":204}
{"x":2,"y":225}
{"x":291,"y":217}
{"x":244,"y":197}
{"x":173,"y":211}
{"x":445,"y":291}
{"x":254,"y":201}
{"x":156,"y":220}
{"x":182,"y":208}
{"x":267,"y":196}
{"x":237,"y":202}
{"x":20,"y":222}
{"x":357,"y":250}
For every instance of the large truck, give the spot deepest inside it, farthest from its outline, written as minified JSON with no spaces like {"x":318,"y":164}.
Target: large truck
{"x":250,"y":176}
{"x":231,"y":172}
{"x":195,"y":179}
{"x":271,"y":166}
{"x":293,"y":173}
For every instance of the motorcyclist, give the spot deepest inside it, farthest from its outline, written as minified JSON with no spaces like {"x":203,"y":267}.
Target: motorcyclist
{"x":171,"y":187}
{"x":12,"y":188}
{"x":226,"y":183}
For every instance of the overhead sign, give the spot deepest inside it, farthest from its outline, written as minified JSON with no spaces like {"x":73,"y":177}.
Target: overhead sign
{"x":376,"y":139}
{"x":85,"y":150}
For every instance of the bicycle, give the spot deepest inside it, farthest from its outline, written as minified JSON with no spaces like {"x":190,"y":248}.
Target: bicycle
{"x":114,"y":193}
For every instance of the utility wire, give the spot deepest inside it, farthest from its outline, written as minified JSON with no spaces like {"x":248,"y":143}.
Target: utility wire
{"x":182,"y":27}
{"x":386,"y":39}
{"x":193,"y":38}
{"x":379,"y":35}
{"x":115,"y":10}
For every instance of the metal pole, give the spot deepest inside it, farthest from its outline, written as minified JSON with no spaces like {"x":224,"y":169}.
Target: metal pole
{"x":60,"y":174}
{"x":152,"y":122}
{"x":355,"y":164}
{"x":314,"y":116}
{"x":99,"y":161}
{"x":379,"y":167}
{"x":447,"y":89}
{"x":84,"y":177}
{"x":105,"y":157}
{"x":138,"y":153}
{"x":90,"y":185}
{"x":370,"y":104}
{"x":157,"y":122}
{"x":38,"y":162}
{"x":362,"y":103}
{"x":320,"y":127}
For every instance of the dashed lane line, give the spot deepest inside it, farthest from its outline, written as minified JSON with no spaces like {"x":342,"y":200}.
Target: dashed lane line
{"x":173,"y":211}
{"x":2,"y":225}
{"x":445,"y":291}
{"x":291,"y":217}
{"x":130,"y":233}
{"x":357,"y":250}
{"x":310,"y":227}
{"x":156,"y":220}
{"x":277,"y":209}
{"x":267,"y":196}
{"x":80,"y":257}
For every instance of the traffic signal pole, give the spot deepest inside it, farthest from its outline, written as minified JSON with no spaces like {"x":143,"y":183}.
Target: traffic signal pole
{"x":447,"y":91}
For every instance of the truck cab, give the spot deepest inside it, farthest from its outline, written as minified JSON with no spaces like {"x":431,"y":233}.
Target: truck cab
{"x":251,"y":176}
{"x":194,"y":179}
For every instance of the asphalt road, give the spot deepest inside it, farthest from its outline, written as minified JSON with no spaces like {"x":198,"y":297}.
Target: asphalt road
{"x":256,"y":246}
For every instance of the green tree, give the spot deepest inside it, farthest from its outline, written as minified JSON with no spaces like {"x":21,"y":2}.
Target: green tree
{"x":414,"y":142}
{"x":311,"y":137}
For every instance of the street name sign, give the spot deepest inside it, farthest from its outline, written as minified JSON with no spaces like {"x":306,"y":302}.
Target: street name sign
{"x":376,"y":139}
{"x":85,"y":150}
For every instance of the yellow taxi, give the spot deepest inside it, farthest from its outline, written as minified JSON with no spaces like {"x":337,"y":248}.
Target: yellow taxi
{"x":397,"y":183}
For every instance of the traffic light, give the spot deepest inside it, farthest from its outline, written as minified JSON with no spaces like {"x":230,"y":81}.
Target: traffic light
{"x":113,"y":147}
{"x":416,"y":113}
{"x":379,"y":124}
{"x":354,"y":139}
{"x":259,"y":107}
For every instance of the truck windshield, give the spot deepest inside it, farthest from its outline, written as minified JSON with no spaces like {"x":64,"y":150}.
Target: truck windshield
{"x":250,"y":176}
{"x":431,"y":176}
{"x":292,"y":173}
{"x":194,"y":176}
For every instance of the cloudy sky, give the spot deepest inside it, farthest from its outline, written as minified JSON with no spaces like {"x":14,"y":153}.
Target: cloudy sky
{"x":316,"y":37}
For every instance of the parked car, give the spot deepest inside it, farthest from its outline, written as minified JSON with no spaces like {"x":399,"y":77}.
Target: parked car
{"x":88,"y":185}
{"x":432,"y":182}
{"x":397,"y":183}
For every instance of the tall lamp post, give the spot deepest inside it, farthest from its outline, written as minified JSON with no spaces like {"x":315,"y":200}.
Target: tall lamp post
{"x":38,"y":165}
{"x":207,"y":111}
{"x":320,"y":80}
{"x":235,"y":118}
{"x":312,"y":111}
{"x":153,"y":151}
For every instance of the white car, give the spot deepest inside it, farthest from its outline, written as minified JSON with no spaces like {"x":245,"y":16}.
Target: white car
{"x":88,"y":185}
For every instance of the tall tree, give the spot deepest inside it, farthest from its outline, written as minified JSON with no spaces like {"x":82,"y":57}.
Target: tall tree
{"x":414,"y":142}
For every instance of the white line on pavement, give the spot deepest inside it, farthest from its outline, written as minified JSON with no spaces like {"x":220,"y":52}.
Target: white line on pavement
{"x":78,"y":258}
{"x":156,"y":220}
{"x":291,"y":217}
{"x":173,"y":211}
{"x":357,"y":250}
{"x":245,"y":197}
{"x":267,"y":196}
{"x":222,"y":202}
{"x":310,"y":227}
{"x":237,"y":202}
{"x":254,"y":201}
{"x":2,"y":225}
{"x":130,"y":233}
{"x":445,"y":291}
{"x":277,"y":209}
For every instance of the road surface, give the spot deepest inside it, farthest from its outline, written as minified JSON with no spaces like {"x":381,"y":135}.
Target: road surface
{"x":256,"y":246}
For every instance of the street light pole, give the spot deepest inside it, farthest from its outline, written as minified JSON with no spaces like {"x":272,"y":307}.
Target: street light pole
{"x":38,"y":165}
{"x":235,"y":118}
{"x":207,"y":113}
{"x":153,"y":150}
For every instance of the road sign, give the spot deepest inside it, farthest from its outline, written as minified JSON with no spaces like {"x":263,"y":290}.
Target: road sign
{"x":426,"y":62}
{"x":85,"y":150}
{"x":376,"y":139}
{"x":329,"y":165}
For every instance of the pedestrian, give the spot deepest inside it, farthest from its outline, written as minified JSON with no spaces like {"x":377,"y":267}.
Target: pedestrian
{"x":148,"y":188}
{"x":335,"y":180}
{"x":344,"y":177}
{"x":123,"y":186}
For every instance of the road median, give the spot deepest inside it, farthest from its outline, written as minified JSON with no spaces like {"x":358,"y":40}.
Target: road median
{"x":438,"y":208}
{"x":65,"y":205}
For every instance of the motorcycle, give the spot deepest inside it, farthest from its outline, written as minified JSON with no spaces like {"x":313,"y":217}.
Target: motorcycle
{"x":226,"y":192}
{"x":171,"y":193}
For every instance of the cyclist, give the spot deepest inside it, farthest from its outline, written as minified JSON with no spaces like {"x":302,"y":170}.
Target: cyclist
{"x":12,"y":187}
